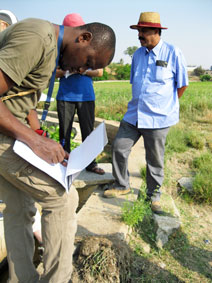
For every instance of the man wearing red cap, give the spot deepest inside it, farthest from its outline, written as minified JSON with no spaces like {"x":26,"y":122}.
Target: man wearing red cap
{"x":76,"y":93}
{"x":28,"y":52}
{"x":159,"y":78}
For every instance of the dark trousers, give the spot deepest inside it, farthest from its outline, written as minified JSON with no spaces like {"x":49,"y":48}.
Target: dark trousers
{"x":154,"y":143}
{"x":86,"y":113}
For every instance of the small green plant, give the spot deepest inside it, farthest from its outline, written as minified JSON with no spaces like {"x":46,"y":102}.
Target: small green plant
{"x":54,"y":134}
{"x":134,"y":213}
{"x":143,"y":173}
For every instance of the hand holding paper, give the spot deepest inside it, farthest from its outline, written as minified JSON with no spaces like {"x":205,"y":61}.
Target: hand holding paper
{"x":79,"y":158}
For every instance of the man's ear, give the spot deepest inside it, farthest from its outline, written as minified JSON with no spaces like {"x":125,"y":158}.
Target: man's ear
{"x":157,"y":31}
{"x":85,"y":36}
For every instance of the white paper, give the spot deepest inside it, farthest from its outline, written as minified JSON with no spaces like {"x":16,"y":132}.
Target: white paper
{"x":79,"y":158}
{"x":56,"y":171}
{"x":44,"y":96}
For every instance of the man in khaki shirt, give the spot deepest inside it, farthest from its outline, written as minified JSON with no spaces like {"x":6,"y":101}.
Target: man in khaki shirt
{"x":28,"y":51}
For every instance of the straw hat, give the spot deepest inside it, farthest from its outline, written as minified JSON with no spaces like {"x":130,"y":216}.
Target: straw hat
{"x":148,"y":19}
{"x":73,"y":20}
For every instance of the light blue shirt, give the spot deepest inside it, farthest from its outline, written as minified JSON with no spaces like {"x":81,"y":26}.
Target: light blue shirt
{"x":155,"y":77}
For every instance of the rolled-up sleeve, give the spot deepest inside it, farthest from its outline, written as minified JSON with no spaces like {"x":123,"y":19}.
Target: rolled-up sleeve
{"x":181,"y":77}
{"x":20,"y":55}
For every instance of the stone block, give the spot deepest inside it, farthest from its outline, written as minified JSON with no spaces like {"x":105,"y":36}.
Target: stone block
{"x":166,"y":226}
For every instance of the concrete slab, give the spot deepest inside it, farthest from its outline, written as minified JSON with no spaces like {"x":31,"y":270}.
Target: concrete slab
{"x":102,"y":217}
{"x":87,"y":182}
{"x":86,"y":178}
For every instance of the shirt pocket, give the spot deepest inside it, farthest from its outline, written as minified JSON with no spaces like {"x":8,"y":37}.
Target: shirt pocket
{"x":162,"y":74}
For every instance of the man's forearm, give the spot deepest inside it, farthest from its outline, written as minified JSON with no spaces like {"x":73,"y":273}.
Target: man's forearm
{"x":60,"y":73}
{"x":181,"y":90}
{"x":94,"y":73}
{"x":32,"y":119}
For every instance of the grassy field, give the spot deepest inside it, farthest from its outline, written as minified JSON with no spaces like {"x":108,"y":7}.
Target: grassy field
{"x":115,"y":96}
{"x":108,"y":96}
{"x":188,"y":255}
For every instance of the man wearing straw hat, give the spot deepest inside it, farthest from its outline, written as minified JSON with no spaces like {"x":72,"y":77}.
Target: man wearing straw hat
{"x":158,"y":78}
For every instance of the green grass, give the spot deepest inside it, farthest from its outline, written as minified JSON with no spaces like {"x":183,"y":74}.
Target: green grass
{"x":180,"y":138}
{"x":196,"y":100}
{"x":113,"y":97}
{"x":202,"y":183}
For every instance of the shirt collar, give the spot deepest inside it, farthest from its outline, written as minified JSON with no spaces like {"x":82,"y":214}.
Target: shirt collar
{"x":156,"y":49}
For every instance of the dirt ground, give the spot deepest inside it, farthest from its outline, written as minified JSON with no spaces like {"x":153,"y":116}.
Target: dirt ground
{"x":98,"y":259}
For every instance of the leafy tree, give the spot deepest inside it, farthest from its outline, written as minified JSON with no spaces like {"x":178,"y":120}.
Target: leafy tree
{"x":198,"y":71}
{"x":130,"y":50}
{"x":123,"y":72}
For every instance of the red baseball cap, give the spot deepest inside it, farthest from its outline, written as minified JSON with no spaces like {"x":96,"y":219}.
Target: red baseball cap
{"x":73,"y":20}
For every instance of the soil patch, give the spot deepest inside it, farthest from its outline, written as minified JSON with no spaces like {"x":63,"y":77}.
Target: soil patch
{"x":100,"y":259}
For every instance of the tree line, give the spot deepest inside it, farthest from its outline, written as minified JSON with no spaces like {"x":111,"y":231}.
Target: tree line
{"x":121,"y":71}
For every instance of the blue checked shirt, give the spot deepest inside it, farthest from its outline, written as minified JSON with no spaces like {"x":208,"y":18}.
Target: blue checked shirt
{"x":155,"y":77}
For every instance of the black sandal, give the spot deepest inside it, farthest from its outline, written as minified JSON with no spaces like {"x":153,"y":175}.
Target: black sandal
{"x":96,"y":170}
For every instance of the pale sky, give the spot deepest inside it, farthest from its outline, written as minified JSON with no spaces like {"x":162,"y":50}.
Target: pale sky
{"x":189,"y":22}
